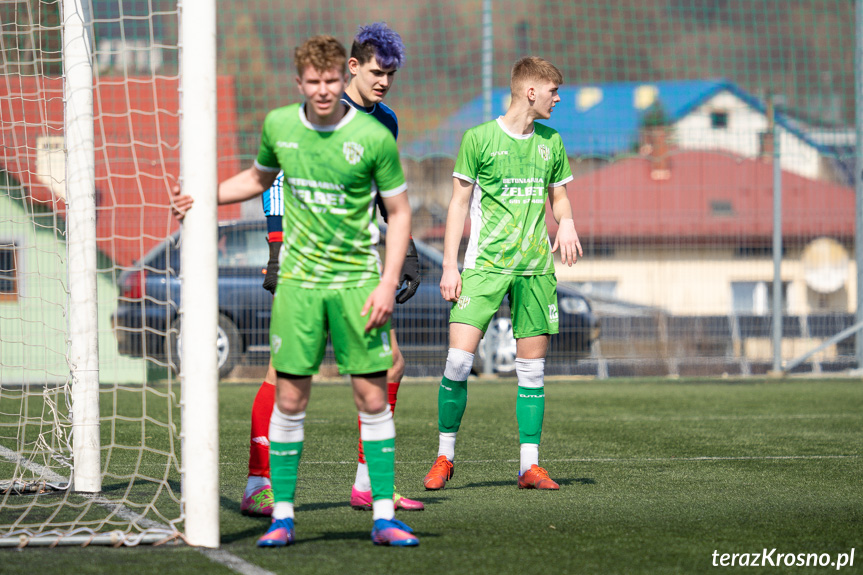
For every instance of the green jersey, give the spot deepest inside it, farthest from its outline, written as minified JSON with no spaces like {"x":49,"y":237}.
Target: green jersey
{"x":511,"y":174}
{"x":331,"y":177}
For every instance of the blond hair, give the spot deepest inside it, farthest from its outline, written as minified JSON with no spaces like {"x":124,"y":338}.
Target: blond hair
{"x":533,"y":69}
{"x":321,"y":53}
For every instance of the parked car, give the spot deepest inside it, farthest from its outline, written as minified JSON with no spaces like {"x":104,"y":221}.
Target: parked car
{"x":146,"y":320}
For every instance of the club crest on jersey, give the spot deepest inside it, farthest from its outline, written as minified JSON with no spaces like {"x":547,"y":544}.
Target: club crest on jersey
{"x":353,"y":152}
{"x":386,"y":343}
{"x":544,"y":152}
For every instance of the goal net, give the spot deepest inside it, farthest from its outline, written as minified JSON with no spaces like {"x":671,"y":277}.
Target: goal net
{"x":100,"y":82}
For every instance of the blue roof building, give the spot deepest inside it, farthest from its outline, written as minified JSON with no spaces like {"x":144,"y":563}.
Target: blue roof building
{"x":594,"y":119}
{"x":603,"y":120}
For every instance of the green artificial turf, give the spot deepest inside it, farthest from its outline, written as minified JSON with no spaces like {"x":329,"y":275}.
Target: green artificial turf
{"x":656,"y":475}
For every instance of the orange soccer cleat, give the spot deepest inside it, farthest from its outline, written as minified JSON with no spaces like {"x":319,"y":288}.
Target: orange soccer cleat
{"x":439,"y":474}
{"x":536,"y":478}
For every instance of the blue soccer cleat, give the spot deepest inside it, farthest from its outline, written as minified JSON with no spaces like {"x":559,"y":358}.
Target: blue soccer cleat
{"x":393,"y":532}
{"x":280,"y":534}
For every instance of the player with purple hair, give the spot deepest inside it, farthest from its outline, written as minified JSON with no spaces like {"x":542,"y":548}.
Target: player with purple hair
{"x":376,"y":54}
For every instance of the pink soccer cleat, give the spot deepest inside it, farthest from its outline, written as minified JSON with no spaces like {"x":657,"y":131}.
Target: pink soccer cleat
{"x":361,"y":500}
{"x":259,"y":503}
{"x":402,"y":502}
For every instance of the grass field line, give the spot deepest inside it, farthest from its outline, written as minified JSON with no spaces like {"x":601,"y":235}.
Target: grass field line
{"x":220,"y":556}
{"x":233,"y":562}
{"x":662,"y":418}
{"x":37,"y":468}
{"x":53,"y":477}
{"x":615,"y":459}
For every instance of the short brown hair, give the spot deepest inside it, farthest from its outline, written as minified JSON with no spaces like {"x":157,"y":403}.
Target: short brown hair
{"x":533,"y":68}
{"x":322,"y":53}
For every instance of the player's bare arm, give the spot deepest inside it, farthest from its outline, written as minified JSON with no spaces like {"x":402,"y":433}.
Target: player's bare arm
{"x":245,"y":185}
{"x":459,"y":205}
{"x":566,"y":238}
{"x":381,"y":301}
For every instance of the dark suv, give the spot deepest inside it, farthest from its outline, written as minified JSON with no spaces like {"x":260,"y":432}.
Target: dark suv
{"x":146,"y":320}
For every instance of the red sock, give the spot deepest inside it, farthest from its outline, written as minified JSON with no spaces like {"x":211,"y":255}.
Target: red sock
{"x":259,"y":446}
{"x":392,"y":392}
{"x":362,"y":456}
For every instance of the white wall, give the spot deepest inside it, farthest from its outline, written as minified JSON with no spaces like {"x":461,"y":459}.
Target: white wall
{"x":741,"y":136}
{"x":698,"y":281}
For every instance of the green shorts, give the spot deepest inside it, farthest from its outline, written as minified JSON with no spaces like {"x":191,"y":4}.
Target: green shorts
{"x":532,"y":301}
{"x":302,"y":319}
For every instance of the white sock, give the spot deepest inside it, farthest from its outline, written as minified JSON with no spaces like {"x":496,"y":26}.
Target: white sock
{"x":283,"y":510}
{"x":529,"y":456}
{"x":287,"y":427}
{"x":458,"y":364}
{"x":530,"y":372}
{"x":362,"y":481}
{"x":383,"y":509}
{"x":446,"y":445}
{"x":256,"y":482}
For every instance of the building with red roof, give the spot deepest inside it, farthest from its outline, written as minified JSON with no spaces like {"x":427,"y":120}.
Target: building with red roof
{"x":692,"y":234}
{"x":708,"y":197}
{"x":137,"y":152}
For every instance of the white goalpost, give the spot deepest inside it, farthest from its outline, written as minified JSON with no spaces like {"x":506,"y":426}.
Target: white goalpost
{"x":81,"y":217}
{"x":200,"y":373}
{"x":102,"y":111}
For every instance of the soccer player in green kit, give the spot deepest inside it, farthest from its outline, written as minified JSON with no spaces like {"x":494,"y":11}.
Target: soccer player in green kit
{"x":505,"y":172}
{"x":377,"y":52}
{"x":333,"y":158}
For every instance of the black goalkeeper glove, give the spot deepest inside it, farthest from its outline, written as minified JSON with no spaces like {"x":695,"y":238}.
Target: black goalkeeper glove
{"x":410,"y":274}
{"x":271,"y":279}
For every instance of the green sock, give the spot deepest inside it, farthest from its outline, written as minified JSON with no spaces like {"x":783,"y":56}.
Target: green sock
{"x":451,"y":403}
{"x":284,"y":461}
{"x":381,"y":459}
{"x":529,"y":410}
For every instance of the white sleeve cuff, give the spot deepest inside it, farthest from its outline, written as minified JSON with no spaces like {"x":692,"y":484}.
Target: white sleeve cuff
{"x":394,"y":191}
{"x":467,"y":179}
{"x":264,"y":168}
{"x":562,"y":182}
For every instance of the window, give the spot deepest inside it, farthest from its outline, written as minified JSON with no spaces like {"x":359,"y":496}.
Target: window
{"x":51,"y":164}
{"x":8,"y":273}
{"x":756,"y":298}
{"x":755,"y":251}
{"x":719,"y":120}
{"x":597,"y":250}
{"x":721,"y":208}
{"x":587,"y":98}
{"x":243,"y":248}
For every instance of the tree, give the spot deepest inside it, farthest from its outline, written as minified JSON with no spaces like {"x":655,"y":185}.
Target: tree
{"x":31,"y":38}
